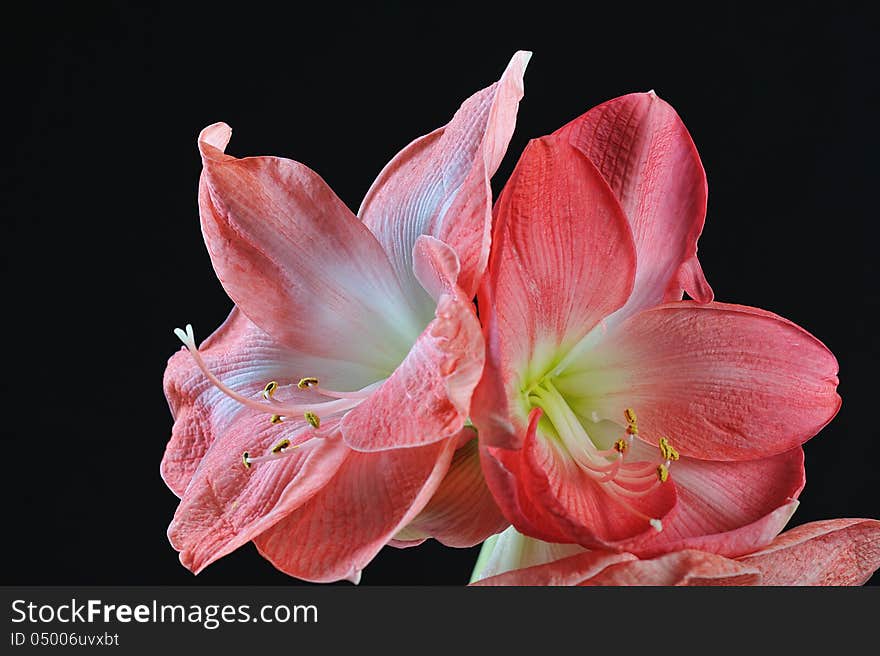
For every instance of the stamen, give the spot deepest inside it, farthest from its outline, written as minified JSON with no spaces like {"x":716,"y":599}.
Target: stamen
{"x":245,"y":459}
{"x":621,"y":446}
{"x":666,"y":449}
{"x":269,"y":390}
{"x":305,"y":383}
{"x":312,"y":418}
{"x":277,"y":419}
{"x":281,"y":445}
{"x":662,"y":473}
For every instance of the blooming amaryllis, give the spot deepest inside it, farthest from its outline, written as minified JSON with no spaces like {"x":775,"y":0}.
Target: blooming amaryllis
{"x":830,"y":552}
{"x":320,"y":418}
{"x":611,"y":413}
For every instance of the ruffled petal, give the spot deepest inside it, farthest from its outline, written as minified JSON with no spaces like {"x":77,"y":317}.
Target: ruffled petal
{"x":227,"y":504}
{"x":371,"y":497}
{"x":679,"y":568}
{"x":428,"y":397}
{"x":646,"y":155}
{"x":297,"y":262}
{"x":462,"y":512}
{"x":567,"y":571}
{"x":830,"y":552}
{"x":724,"y":382}
{"x":245,"y":358}
{"x":439,"y":184}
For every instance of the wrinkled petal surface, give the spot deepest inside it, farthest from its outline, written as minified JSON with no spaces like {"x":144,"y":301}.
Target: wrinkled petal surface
{"x":830,"y":552}
{"x":647,"y":156}
{"x":679,"y":568}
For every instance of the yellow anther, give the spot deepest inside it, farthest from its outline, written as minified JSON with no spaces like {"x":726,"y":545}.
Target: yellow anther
{"x":630,"y":416}
{"x":662,"y":473}
{"x":282,"y":444}
{"x":621,"y":445}
{"x":312,"y":418}
{"x":269,"y":389}
{"x":666,"y":449}
{"x":632,"y":429}
{"x":306,"y":383}
{"x":276,"y":419}
{"x":244,"y":459}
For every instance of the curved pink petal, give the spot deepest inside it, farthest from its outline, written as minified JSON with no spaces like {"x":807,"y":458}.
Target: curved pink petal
{"x":679,"y":568}
{"x":646,"y":155}
{"x":830,"y":552}
{"x":729,"y":508}
{"x":439,"y":184}
{"x":371,"y":497}
{"x":245,"y":358}
{"x":724,"y":382}
{"x":562,"y":260}
{"x":428,"y":396}
{"x":297,"y":262}
{"x":462,"y":512}
{"x":566,"y":571}
{"x":227,"y":504}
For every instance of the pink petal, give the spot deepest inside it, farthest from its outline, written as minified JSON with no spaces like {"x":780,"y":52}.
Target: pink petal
{"x":227,"y":504}
{"x":563,"y":259}
{"x":729,"y":508}
{"x":679,"y":568}
{"x":372,"y":496}
{"x":724,"y":382}
{"x":245,"y":358}
{"x":567,"y":571}
{"x":297,"y":262}
{"x":645,"y":153}
{"x":439,"y":184}
{"x":462,"y":512}
{"x":428,"y":397}
{"x":830,"y":552}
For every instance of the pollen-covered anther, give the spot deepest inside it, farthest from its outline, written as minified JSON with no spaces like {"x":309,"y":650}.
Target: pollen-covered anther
{"x":281,"y":445}
{"x":277,"y":419}
{"x":246,"y":460}
{"x":313,"y":419}
{"x":621,"y":446}
{"x":662,"y":473}
{"x":667,"y":450}
{"x":632,"y":423}
{"x":307,"y":382}
{"x":269,"y":390}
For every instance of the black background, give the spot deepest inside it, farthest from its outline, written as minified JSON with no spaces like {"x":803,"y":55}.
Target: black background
{"x":102,"y":254}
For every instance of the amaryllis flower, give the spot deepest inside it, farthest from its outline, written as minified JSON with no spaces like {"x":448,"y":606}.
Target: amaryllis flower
{"x":612,"y":414}
{"x":830,"y":552}
{"x":319,"y":419}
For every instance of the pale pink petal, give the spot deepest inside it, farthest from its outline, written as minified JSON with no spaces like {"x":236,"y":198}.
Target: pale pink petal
{"x":372,"y":496}
{"x":245,"y":359}
{"x":679,"y":568}
{"x":723,"y":382}
{"x":830,"y":552}
{"x":729,"y":508}
{"x":462,"y":512}
{"x":227,"y":504}
{"x":428,"y":397}
{"x":439,"y":184}
{"x":562,"y":260}
{"x":646,"y":155}
{"x":567,"y":571}
{"x":297,"y":262}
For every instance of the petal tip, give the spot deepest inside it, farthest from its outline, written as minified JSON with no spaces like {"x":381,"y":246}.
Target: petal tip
{"x":216,"y":135}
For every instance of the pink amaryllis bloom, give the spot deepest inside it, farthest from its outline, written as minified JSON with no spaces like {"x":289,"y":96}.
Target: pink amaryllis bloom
{"x":612,"y":414}
{"x":321,"y":417}
{"x":830,"y":552}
